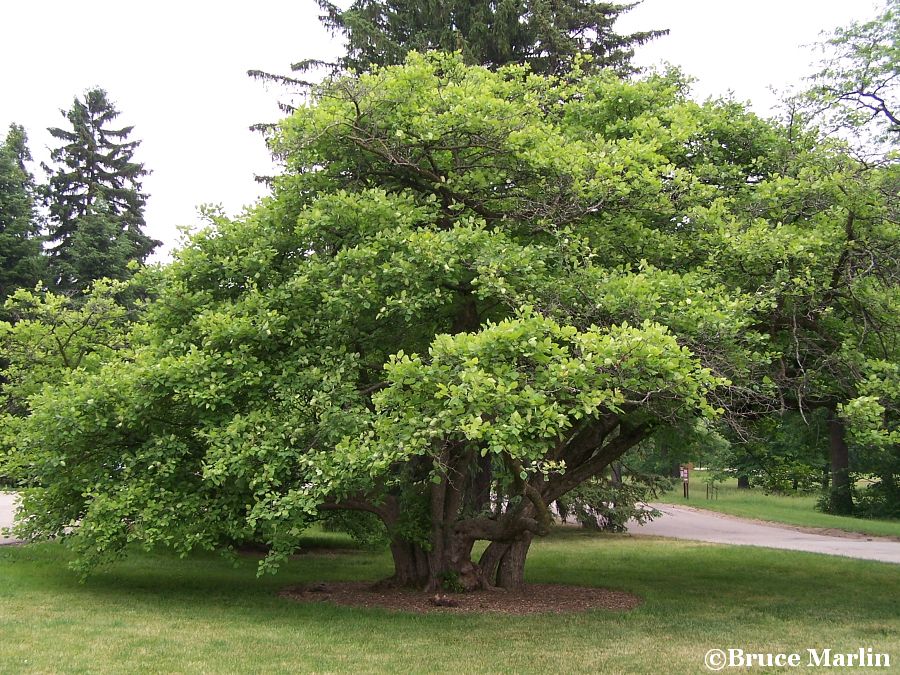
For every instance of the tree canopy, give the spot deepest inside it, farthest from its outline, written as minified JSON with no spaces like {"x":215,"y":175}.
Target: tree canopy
{"x":470,"y":292}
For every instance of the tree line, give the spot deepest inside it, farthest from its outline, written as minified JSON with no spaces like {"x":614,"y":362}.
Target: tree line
{"x":86,"y":221}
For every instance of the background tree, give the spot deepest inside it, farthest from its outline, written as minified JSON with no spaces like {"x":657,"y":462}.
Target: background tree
{"x":874,"y":429}
{"x":784,"y":453}
{"x":95,"y":200}
{"x":840,"y":321}
{"x":21,"y":260}
{"x":858,"y":86}
{"x":545,"y":35}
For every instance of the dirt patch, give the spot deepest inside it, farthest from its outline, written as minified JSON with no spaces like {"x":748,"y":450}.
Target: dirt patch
{"x":534,"y":599}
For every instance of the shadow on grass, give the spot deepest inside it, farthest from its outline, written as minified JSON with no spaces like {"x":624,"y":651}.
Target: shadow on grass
{"x":710,"y":582}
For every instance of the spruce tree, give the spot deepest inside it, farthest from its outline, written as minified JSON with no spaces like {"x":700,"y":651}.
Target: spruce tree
{"x":21,"y":260}
{"x":547,"y":34}
{"x":94,"y":196}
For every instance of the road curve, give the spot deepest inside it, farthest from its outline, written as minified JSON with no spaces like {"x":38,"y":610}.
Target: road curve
{"x":683,"y":522}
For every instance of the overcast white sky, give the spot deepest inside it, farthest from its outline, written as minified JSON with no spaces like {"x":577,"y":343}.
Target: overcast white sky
{"x":177,"y":72}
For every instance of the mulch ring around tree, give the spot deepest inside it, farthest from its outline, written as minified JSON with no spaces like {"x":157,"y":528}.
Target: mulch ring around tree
{"x":534,"y":599}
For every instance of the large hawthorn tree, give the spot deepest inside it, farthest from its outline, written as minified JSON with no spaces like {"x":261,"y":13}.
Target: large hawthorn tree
{"x":470,"y":292}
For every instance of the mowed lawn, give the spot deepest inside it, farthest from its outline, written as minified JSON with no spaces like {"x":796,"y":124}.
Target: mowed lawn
{"x":798,"y":510}
{"x":157,"y":613}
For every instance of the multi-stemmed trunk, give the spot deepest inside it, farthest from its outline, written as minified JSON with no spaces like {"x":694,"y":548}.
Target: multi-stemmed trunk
{"x":467,"y":503}
{"x":410,"y":564}
{"x":502,"y":565}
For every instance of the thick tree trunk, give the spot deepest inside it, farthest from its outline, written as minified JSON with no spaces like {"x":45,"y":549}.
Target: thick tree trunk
{"x":511,"y":571}
{"x":481,"y":485}
{"x":744,"y":482}
{"x":490,"y":561}
{"x":615,"y":473}
{"x":410,"y":565}
{"x":450,"y":563}
{"x":840,"y":499}
{"x":452,"y":568}
{"x":463,"y":482}
{"x":503,"y":563}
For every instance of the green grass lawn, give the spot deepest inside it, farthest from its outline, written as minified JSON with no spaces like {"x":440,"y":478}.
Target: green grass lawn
{"x":792,"y":510}
{"x":157,"y":613}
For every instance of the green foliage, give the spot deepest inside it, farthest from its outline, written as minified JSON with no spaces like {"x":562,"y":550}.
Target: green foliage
{"x":547,"y":36}
{"x":872,"y":415}
{"x":880,"y":500}
{"x":783,"y":454}
{"x":51,"y":340}
{"x":609,"y":504}
{"x":463,"y":272}
{"x":94,"y":197}
{"x":699,"y":442}
{"x":21,"y":263}
{"x":872,"y":420}
{"x":365,"y":529}
{"x":52,"y":335}
{"x":450,"y":582}
{"x":517,"y":387}
{"x":857,"y":86}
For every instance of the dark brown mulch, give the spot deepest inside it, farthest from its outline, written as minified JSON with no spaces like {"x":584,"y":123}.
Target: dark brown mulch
{"x":534,"y":599}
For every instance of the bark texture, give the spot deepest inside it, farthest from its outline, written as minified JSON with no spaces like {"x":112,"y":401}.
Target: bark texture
{"x":840,"y":499}
{"x":466,"y":504}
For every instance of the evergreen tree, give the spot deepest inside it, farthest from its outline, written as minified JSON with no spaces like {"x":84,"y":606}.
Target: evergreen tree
{"x":94,"y":196}
{"x":21,"y":261}
{"x":546,"y":34}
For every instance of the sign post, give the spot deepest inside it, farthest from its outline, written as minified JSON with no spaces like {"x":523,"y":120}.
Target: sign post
{"x":685,"y":479}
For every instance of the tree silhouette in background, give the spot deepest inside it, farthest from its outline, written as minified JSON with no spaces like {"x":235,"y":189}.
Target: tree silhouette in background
{"x":95,"y":199}
{"x":21,"y":262}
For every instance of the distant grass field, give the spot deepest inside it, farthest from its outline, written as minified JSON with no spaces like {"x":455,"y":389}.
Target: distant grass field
{"x":157,"y":613}
{"x":792,"y":510}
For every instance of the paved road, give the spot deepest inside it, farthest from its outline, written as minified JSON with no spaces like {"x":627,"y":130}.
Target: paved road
{"x":682,"y":522}
{"x":7,"y":509}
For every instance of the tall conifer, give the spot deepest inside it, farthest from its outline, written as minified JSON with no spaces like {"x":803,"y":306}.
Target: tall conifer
{"x":21,"y":261}
{"x":547,"y":34}
{"x":95,"y":198}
